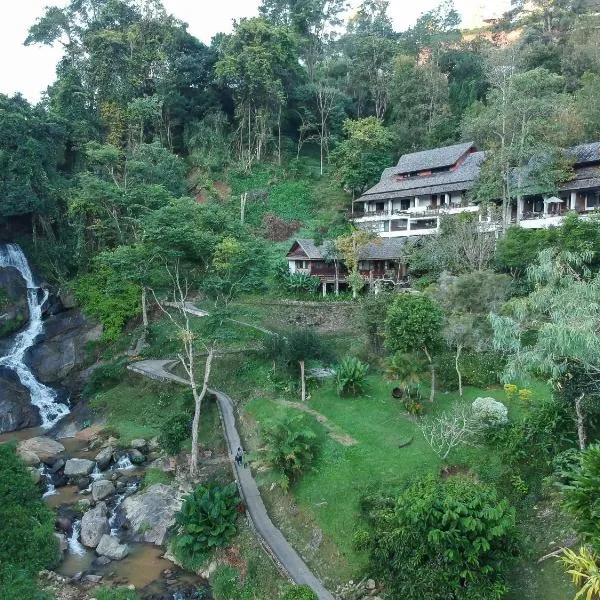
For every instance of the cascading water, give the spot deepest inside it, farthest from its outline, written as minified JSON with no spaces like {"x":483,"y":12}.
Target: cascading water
{"x":50,"y":487}
{"x":43,"y":397}
{"x":75,"y":546}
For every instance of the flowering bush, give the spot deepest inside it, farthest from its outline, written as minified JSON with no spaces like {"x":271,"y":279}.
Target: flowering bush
{"x":510,"y":389}
{"x":490,"y":412}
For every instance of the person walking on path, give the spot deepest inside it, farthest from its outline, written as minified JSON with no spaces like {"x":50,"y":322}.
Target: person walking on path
{"x":239,"y":457}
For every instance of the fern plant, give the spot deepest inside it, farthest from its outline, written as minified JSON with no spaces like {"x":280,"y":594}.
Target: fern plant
{"x":351,"y":376}
{"x":206,"y":520}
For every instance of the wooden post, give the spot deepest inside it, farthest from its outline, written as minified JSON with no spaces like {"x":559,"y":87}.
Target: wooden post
{"x":243,"y":199}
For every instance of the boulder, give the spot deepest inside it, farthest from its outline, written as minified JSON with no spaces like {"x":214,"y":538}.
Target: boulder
{"x":63,"y":544}
{"x":76,"y":468}
{"x":31,"y":459}
{"x":104,"y":457}
{"x":94,"y":525}
{"x":36,"y":476}
{"x":16,"y":410}
{"x":44,"y":447}
{"x":57,"y":465}
{"x":60,"y":349}
{"x":136,"y":457}
{"x":102,"y":489}
{"x":110,"y":547}
{"x":139,"y":444}
{"x":164,"y":463}
{"x":152,"y":513}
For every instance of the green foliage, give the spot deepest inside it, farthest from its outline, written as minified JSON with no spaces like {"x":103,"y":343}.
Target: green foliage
{"x":299,"y":592}
{"x":298,"y":345}
{"x":154,"y":476}
{"x":174,"y":431}
{"x":301,"y":283}
{"x":469,"y":535}
{"x":104,"y":377}
{"x":115,"y":593}
{"x":350,"y":376}
{"x":582,"y":496}
{"x":226,"y":584}
{"x":206,"y":520}
{"x":446,"y":378}
{"x":373,"y":313}
{"x":291,"y":447}
{"x":482,"y":369}
{"x":27,"y":543}
{"x":413,"y":323}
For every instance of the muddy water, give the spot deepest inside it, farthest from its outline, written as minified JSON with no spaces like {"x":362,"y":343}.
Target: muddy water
{"x":22,"y":434}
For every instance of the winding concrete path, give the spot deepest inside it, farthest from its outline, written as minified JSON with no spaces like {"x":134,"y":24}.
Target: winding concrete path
{"x":272,"y":539}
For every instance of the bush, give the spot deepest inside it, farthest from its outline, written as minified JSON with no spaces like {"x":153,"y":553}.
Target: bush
{"x":489,"y":412}
{"x":206,"y":520}
{"x":291,"y":447}
{"x":27,"y":543}
{"x":299,"y":592}
{"x":446,"y":378}
{"x":441,"y":539}
{"x":173,"y":432}
{"x":104,"y":377}
{"x":582,"y":496}
{"x":301,"y":283}
{"x":482,"y":369}
{"x":350,"y":376}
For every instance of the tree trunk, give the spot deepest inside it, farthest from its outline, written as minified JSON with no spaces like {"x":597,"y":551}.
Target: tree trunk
{"x":302,"y":380}
{"x":458,"y":351}
{"x":581,"y":428}
{"x":432,"y":369}
{"x":144,"y":308}
{"x":197,"y":407}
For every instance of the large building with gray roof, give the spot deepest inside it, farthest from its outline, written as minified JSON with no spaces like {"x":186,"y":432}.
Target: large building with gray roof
{"x":411,"y":197}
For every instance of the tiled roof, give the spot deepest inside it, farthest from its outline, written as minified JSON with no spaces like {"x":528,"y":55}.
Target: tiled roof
{"x":436,"y":158}
{"x":586,"y":153}
{"x":461,"y":178}
{"x":380,"y":249}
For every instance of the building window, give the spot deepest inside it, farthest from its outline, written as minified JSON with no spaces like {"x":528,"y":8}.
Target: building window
{"x":593,"y":200}
{"x":363,"y":265}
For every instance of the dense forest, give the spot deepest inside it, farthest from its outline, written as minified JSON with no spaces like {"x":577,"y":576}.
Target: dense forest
{"x":158,"y":168}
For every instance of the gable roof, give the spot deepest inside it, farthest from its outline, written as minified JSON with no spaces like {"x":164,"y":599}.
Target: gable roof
{"x":380,"y":249}
{"x":436,"y":158}
{"x":461,"y":178}
{"x":586,"y":153}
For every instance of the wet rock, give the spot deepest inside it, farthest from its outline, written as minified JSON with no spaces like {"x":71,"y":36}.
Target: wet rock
{"x":136,"y":457}
{"x":94,"y":525}
{"x":139,"y":444}
{"x":104,"y":457}
{"x":153,"y":444}
{"x":67,"y":299}
{"x":110,"y":547}
{"x":59,"y":479}
{"x":120,"y":486}
{"x":102,"y":489}
{"x":78,"y":467}
{"x":64,"y":524}
{"x":152,"y":513}
{"x":36,"y":476}
{"x":46,"y":448}
{"x":31,"y":459}
{"x":83,"y":483}
{"x":63,"y":544}
{"x":93,"y":578}
{"x":57,"y":465}
{"x":102,"y":561}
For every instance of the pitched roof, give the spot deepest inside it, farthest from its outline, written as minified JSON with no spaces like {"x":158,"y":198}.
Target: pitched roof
{"x":586,"y":153}
{"x":462,"y":178}
{"x":379,"y":249}
{"x":436,"y":158}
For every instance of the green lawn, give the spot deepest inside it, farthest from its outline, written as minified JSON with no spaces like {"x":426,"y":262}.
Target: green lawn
{"x":328,"y":497}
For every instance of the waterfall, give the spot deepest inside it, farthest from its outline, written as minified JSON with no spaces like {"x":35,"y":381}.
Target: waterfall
{"x":123,"y":464}
{"x":75,"y":546}
{"x":43,"y":397}
{"x":50,"y":487}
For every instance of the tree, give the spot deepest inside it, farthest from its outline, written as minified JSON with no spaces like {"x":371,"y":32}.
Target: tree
{"x":357,"y":161}
{"x":187,"y":356}
{"x":561,"y":314}
{"x":467,"y":299}
{"x":442,"y":539}
{"x":349,"y":248}
{"x":413,"y":324}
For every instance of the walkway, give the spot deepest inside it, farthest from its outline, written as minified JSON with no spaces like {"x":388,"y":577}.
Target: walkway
{"x":277,"y":546}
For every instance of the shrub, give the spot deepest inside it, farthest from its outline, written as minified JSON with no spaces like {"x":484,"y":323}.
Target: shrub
{"x":206,"y":520}
{"x":350,"y":376}
{"x":299,"y":592}
{"x":301,"y":283}
{"x":173,"y":432}
{"x":104,"y":377}
{"x":446,"y":378}
{"x":291,"y":447}
{"x":27,"y":543}
{"x":441,"y":539}
{"x":278,"y":229}
{"x":489,"y":412}
{"x":482,"y":369}
{"x":582,"y":496}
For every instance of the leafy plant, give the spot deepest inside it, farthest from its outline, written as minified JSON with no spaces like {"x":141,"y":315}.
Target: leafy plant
{"x":582,"y":496}
{"x":351,"y":374}
{"x":173,"y":432}
{"x":206,"y":520}
{"x":103,"y":377}
{"x":510,"y":389}
{"x":583,"y":568}
{"x":299,"y":592}
{"x":291,"y":447}
{"x":440,"y":539}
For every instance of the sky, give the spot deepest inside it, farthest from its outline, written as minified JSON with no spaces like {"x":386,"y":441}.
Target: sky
{"x":29,"y":70}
